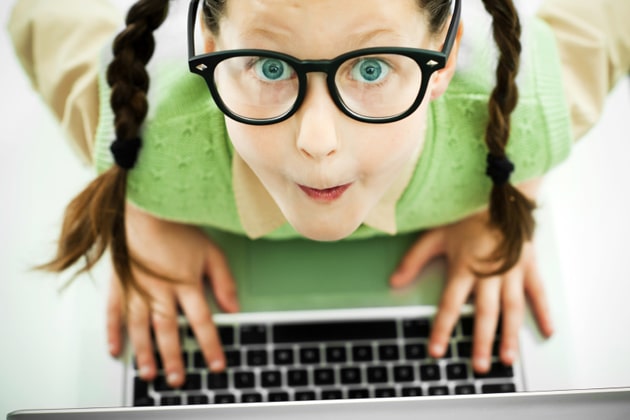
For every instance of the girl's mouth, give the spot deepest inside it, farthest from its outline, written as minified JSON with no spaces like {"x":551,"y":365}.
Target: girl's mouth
{"x":327,"y":194}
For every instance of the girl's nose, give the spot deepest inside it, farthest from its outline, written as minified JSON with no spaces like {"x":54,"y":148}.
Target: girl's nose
{"x":317,"y":134}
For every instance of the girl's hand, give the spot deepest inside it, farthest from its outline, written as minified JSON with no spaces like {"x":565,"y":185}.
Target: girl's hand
{"x":179,"y":252}
{"x":466,"y":244}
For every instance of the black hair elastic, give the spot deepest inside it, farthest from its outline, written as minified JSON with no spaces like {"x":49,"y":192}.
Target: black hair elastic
{"x":126,"y":152}
{"x":499,"y":169}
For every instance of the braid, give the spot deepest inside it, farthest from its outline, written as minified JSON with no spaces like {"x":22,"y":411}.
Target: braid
{"x":95,"y":219}
{"x":510,"y":210}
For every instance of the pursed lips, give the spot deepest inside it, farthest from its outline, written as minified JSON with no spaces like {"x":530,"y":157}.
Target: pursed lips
{"x":325,"y":194}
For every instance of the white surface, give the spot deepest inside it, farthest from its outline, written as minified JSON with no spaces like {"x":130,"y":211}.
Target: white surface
{"x":584,"y":206}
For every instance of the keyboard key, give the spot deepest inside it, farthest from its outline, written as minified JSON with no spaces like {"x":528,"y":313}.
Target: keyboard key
{"x":464,"y":349}
{"x":198,"y":361}
{"x":283,"y":357}
{"x":256,"y":357}
{"x":226,"y":334}
{"x":416,"y":328}
{"x":465,"y":389}
{"x":497,"y":370}
{"x":404,"y":374}
{"x":244,"y":380}
{"x":430,"y":372}
{"x":278,"y":396}
{"x":217,"y":380}
{"x":456,"y":371}
{"x":171,"y":400}
{"x":297,"y":377}
{"x":497,"y":388}
{"x":362,"y":353}
{"x":331,"y":394}
{"x":271,"y":379}
{"x":350,"y":375}
{"x":193,"y":382}
{"x":233,"y":358}
{"x":412,"y":391}
{"x":385,"y":392}
{"x":224,"y":399}
{"x":415,"y":351}
{"x":336,"y":354}
{"x":467,"y":324}
{"x":377,"y":374}
{"x":334,"y":331}
{"x":253,"y":334}
{"x":160,"y":384}
{"x":438,"y":390}
{"x":140,"y":389}
{"x":388,"y":352}
{"x":251,"y":397}
{"x":305,"y":396}
{"x":309,"y":355}
{"x":144,"y":402}
{"x":324,"y":376}
{"x":359,"y":393}
{"x":196,"y":399}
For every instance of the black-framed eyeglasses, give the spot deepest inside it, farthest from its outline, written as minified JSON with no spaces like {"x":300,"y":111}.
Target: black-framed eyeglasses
{"x":373,"y":85}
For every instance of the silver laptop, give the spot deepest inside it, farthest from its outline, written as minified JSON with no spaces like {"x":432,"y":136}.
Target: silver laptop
{"x":609,"y":404}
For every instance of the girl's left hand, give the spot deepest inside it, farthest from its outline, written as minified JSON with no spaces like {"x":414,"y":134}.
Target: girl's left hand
{"x":466,"y":244}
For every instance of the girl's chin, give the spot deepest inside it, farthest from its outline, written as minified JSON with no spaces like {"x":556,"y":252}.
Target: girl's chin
{"x":326,"y":231}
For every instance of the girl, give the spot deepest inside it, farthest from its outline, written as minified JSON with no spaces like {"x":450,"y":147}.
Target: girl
{"x":339,"y":125}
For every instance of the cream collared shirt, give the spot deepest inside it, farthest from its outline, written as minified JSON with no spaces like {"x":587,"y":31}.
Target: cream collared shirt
{"x":60,"y":53}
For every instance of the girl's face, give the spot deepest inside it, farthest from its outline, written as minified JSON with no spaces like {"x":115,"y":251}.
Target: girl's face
{"x":325,"y":170}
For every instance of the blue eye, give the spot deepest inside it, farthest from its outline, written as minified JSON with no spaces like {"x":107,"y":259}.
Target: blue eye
{"x":370,"y":70}
{"x":272,"y":69}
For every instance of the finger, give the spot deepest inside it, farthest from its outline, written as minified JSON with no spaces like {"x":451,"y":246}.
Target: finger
{"x":429,"y":246}
{"x":458,"y":288}
{"x":166,"y":328}
{"x":223,"y":285}
{"x":538,"y":299}
{"x":486,"y":319}
{"x":114,"y":317}
{"x":138,"y":328}
{"x":513,"y":304}
{"x":196,"y":309}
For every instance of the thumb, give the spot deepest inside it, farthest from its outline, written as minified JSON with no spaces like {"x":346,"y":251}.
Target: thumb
{"x":429,"y":246}
{"x":221,"y":279}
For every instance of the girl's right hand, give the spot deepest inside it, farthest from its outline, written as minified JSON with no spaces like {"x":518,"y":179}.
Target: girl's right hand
{"x":179,"y":252}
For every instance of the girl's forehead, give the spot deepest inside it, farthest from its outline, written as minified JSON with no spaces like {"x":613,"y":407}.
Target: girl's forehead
{"x":348,"y":24}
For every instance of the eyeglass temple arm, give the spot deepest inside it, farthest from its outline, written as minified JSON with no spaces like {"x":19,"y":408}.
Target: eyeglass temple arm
{"x":452,"y":29}
{"x":192,"y":19}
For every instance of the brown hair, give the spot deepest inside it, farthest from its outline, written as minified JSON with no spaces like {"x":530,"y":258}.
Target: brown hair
{"x":95,"y":220}
{"x":510,"y":211}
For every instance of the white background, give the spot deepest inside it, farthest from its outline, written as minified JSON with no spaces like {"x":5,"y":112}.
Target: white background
{"x":585,"y":203}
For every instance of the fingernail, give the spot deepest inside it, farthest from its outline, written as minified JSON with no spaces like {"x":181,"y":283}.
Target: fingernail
{"x":144,"y":371}
{"x":437,"y":350}
{"x":509,"y":355}
{"x":482,"y":363}
{"x":173,"y":378}
{"x":217,"y":365}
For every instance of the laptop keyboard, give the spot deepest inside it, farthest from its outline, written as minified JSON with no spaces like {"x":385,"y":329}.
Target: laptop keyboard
{"x":315,"y":360}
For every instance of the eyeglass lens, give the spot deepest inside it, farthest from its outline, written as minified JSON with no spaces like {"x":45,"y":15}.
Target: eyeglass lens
{"x":372,"y":86}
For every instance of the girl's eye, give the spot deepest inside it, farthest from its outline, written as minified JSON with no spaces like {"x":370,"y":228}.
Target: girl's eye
{"x":272,"y":69}
{"x":370,"y":70}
